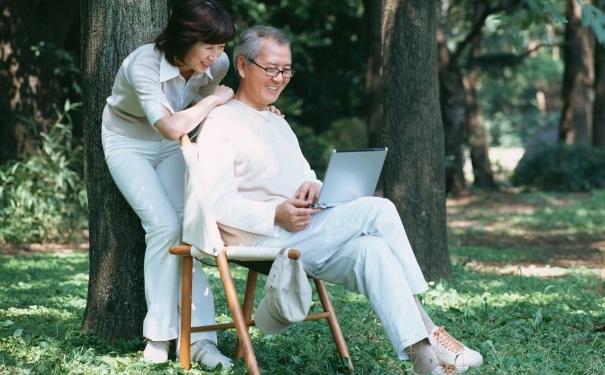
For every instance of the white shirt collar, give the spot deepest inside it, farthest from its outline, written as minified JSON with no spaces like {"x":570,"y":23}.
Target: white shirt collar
{"x":168,"y":71}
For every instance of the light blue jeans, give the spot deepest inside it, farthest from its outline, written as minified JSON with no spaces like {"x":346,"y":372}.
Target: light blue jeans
{"x":151,"y":176}
{"x":362,"y":245}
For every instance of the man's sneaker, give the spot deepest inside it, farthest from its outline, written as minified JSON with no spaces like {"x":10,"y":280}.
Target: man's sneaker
{"x":206,"y":353}
{"x":156,"y":351}
{"x":439,"y":370}
{"x":452,"y":352}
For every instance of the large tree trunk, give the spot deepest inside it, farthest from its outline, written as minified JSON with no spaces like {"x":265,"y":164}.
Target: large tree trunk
{"x":116,"y":302}
{"x":598,"y":120}
{"x":578,"y":79}
{"x":453,"y":115}
{"x":414,"y":171}
{"x":29,"y":87}
{"x":373,"y":13}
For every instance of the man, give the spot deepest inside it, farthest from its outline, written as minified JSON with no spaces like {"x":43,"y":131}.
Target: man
{"x":261,"y":187}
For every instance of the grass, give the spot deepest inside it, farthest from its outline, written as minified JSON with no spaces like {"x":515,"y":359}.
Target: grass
{"x":505,"y":300}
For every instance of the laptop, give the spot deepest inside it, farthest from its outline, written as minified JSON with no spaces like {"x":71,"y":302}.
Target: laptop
{"x":351,"y":174}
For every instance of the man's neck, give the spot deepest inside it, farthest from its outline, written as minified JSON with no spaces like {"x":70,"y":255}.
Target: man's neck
{"x":256,"y":106}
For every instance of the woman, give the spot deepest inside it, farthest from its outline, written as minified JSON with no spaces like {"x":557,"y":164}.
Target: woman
{"x":162,"y":91}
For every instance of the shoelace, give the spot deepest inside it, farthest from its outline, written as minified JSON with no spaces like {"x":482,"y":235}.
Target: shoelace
{"x":209,"y":347}
{"x":447,"y":341}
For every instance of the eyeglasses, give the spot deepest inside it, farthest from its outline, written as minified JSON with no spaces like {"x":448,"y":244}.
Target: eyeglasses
{"x":274,"y":72}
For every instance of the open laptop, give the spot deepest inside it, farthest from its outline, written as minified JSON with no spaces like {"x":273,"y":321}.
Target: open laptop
{"x":351,"y":174}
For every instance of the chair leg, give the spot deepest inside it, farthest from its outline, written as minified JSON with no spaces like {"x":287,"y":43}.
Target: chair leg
{"x":241,"y":327}
{"x":339,"y":339}
{"x":186,"y":290}
{"x":247,"y":307}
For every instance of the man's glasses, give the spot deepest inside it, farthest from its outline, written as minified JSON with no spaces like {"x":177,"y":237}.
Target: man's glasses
{"x":274,"y":72}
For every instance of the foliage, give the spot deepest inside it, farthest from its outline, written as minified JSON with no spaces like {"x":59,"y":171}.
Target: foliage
{"x":44,"y":198}
{"x":562,"y":168}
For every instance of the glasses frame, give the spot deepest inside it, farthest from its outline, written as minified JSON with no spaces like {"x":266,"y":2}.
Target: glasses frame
{"x":278,"y":72}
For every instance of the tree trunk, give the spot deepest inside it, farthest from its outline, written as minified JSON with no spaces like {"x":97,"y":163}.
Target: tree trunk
{"x":598,"y":119}
{"x":373,"y":12}
{"x":453,"y":115}
{"x":478,"y":137}
{"x":29,"y":87}
{"x":578,"y":79}
{"x":414,"y":171}
{"x":115,"y":306}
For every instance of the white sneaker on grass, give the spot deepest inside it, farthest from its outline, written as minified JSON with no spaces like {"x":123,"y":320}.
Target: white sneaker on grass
{"x":207,"y":354}
{"x":452,"y":354}
{"x":156,"y":351}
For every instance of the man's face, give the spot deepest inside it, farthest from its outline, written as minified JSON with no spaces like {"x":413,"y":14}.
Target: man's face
{"x":258,"y":89}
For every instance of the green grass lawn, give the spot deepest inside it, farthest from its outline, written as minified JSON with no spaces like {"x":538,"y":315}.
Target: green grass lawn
{"x":505,"y":299}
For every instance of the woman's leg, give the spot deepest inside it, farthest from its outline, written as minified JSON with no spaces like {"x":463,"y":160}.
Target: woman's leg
{"x":132,"y":165}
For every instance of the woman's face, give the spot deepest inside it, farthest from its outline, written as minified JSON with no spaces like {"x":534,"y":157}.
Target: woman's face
{"x":199,"y":57}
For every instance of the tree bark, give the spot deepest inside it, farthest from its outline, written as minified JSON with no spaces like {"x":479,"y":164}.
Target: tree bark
{"x":453,"y":115}
{"x":414,"y":170}
{"x":373,"y":12}
{"x":115,"y":306}
{"x":578,"y":79}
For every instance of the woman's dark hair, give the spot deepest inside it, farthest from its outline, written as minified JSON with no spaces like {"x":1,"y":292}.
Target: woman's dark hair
{"x":191,"y":22}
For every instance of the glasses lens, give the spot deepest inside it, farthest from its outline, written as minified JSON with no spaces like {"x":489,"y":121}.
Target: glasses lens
{"x":272,"y":72}
{"x":288,"y":73}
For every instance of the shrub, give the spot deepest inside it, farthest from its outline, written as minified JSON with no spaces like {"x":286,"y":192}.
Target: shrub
{"x":562,"y":168}
{"x":43,"y":198}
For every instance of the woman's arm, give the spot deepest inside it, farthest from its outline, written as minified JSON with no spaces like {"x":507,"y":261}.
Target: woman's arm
{"x":174,"y":125}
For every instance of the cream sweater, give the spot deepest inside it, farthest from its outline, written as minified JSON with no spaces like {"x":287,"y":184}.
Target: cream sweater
{"x":250,"y":162}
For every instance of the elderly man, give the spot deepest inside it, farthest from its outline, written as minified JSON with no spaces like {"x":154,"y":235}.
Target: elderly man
{"x":261,"y":187}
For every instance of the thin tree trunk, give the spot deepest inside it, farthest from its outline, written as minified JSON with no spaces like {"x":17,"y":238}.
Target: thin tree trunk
{"x":115,"y":306}
{"x":578,"y":79}
{"x":453,"y":115}
{"x":478,"y":137}
{"x":414,"y":171}
{"x":598,"y":119}
{"x":374,"y":97}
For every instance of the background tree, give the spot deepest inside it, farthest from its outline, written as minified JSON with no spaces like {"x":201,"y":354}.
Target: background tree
{"x":578,"y":80}
{"x":374,"y":91}
{"x":414,"y":171}
{"x":116,"y":302}
{"x":36,"y":70}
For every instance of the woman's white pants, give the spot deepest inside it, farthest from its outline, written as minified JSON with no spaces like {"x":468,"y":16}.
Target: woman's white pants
{"x":151,"y":176}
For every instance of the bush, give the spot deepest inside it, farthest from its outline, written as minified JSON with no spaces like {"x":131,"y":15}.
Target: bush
{"x":43,"y":198}
{"x":563,"y":168}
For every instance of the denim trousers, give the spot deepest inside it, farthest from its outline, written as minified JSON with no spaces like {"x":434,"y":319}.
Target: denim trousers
{"x":362,"y":245}
{"x":151,"y":176}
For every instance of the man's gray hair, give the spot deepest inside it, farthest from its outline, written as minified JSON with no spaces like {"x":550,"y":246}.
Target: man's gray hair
{"x":249,"y":44}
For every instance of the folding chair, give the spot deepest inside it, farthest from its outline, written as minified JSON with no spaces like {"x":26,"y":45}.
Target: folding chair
{"x":202,"y":232}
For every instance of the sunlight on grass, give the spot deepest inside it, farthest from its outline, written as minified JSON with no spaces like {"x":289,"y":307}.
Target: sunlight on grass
{"x":522,"y":321}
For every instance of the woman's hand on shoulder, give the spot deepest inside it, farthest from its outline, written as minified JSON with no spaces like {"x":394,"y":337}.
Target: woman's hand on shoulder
{"x":222,"y":94}
{"x":274,"y":109}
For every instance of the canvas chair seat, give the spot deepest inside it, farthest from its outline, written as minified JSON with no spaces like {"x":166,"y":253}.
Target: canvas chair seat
{"x":202,"y":240}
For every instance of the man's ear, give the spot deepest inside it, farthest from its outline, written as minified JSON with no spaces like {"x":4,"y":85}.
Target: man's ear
{"x":241,"y":65}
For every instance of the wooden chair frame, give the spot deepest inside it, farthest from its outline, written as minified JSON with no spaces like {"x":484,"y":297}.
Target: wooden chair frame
{"x":242,"y":316}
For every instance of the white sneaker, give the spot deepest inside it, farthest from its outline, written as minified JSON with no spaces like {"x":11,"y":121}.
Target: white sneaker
{"x":207,"y":354}
{"x":156,"y":351}
{"x":452,"y":353}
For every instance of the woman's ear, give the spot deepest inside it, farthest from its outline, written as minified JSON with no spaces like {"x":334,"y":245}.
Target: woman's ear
{"x":241,"y":66}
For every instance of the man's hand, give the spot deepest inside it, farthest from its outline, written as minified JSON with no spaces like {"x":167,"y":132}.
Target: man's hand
{"x":308,"y":191}
{"x":294,"y":214}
